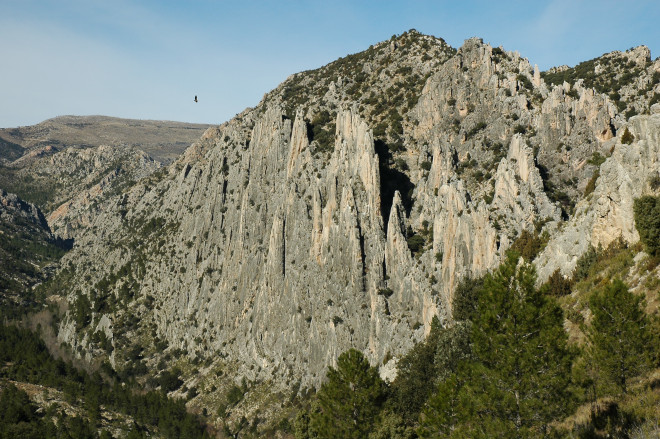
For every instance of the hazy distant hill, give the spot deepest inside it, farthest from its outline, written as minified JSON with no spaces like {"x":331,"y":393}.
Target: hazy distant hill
{"x":162,"y":140}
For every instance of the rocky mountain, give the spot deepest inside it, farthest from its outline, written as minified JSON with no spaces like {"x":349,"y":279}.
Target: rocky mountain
{"x":68,"y":165}
{"x":28,"y":250}
{"x":343,"y":210}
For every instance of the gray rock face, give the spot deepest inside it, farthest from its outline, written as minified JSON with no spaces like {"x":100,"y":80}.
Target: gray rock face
{"x":93,"y":175}
{"x":27,"y":249}
{"x":13,"y":208}
{"x":607,"y":213}
{"x":279,"y":240}
{"x":284,"y":268}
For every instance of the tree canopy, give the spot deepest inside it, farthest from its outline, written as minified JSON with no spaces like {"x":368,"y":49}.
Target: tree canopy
{"x":350,"y":400}
{"x":619,"y":337}
{"x":516,"y":379}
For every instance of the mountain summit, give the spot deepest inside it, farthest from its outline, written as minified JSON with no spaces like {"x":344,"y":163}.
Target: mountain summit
{"x":343,"y":210}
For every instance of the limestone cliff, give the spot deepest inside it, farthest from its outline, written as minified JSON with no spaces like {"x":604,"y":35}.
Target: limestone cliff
{"x":607,"y":213}
{"x":328,"y":217}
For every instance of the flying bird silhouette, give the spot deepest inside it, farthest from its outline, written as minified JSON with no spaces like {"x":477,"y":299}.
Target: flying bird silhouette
{"x":196,"y":98}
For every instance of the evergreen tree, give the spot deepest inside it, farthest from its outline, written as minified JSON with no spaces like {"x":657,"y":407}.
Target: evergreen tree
{"x":416,"y":373}
{"x":647,"y":222}
{"x":350,"y":400}
{"x":619,"y":336}
{"x":517,"y":377}
{"x":466,"y":298}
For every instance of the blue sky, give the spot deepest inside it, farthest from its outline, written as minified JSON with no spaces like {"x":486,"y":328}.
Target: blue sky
{"x":147,"y":59}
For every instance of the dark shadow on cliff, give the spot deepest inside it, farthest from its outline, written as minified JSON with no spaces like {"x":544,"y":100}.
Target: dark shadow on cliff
{"x":392,"y":180}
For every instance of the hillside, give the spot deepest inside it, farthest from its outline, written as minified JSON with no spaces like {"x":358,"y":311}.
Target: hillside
{"x":68,"y":165}
{"x":162,"y":140}
{"x":28,"y":252}
{"x":343,"y":211}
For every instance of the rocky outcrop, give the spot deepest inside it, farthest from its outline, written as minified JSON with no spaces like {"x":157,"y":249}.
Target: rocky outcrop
{"x":285,"y":260}
{"x":519,"y":194}
{"x":322,"y":220}
{"x":28,"y":249}
{"x":607,"y":213}
{"x":13,"y":209}
{"x":107,"y":171}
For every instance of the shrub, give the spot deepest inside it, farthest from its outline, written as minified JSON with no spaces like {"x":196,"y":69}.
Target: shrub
{"x":401,"y":164}
{"x":478,"y":127}
{"x":519,"y":129}
{"x":654,"y":182}
{"x":647,"y":221}
{"x":349,"y":400}
{"x":525,"y":82}
{"x":630,"y":113}
{"x":170,"y":381}
{"x":627,"y":138}
{"x":591,"y":185}
{"x":557,"y":285}
{"x":655,"y":99}
{"x":529,"y":245}
{"x":386,"y":292}
{"x":415,"y":243}
{"x":584,"y":264}
{"x":596,"y":159}
{"x":618,"y":336}
{"x":466,"y":297}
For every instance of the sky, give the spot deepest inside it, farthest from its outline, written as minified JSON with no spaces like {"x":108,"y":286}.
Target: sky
{"x":148,"y":59}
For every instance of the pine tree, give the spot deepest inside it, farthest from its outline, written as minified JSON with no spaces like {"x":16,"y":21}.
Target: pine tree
{"x":416,"y":372}
{"x":647,"y":222}
{"x":619,"y":336}
{"x":350,"y":400}
{"x":517,"y":378}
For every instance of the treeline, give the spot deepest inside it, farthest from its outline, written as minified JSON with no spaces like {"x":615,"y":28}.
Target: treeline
{"x":504,"y":368}
{"x":25,"y":358}
{"x":19,"y":418}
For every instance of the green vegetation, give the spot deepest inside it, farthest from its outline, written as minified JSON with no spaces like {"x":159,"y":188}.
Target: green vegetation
{"x":323,"y":130}
{"x":347,"y":403}
{"x":26,"y":248}
{"x":415,"y":243}
{"x":615,"y":73}
{"x":647,"y":221}
{"x":24,"y":357}
{"x":529,"y":245}
{"x":606,"y":83}
{"x":596,"y":159}
{"x":36,"y":190}
{"x":516,"y":380}
{"x":619,"y":337}
{"x":384,"y":95}
{"x":478,"y":127}
{"x":505,"y":367}
{"x":525,"y":82}
{"x":557,"y":285}
{"x":627,"y":138}
{"x":591,"y":184}
{"x":20,"y":418}
{"x":466,"y":297}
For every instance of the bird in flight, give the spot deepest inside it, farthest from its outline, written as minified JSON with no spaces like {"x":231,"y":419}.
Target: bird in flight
{"x":196,"y":98}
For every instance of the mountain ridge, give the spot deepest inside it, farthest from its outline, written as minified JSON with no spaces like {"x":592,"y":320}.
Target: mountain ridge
{"x":342,"y":213}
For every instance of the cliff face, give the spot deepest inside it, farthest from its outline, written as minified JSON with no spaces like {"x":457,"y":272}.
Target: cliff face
{"x":607,"y":214}
{"x":28,"y":250}
{"x":304,"y":227}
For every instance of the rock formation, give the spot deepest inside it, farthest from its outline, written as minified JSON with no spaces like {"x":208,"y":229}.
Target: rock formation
{"x":343,"y":210}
